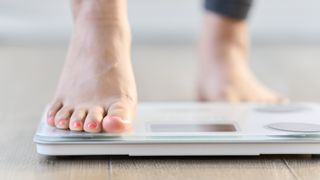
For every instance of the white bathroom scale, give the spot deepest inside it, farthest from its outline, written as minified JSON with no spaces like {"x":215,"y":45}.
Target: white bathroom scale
{"x":197,"y":129}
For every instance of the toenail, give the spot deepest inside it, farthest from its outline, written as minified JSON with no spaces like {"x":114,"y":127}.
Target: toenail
{"x":92,"y":125}
{"x":77,"y":124}
{"x":62,"y":123}
{"x":50,"y":120}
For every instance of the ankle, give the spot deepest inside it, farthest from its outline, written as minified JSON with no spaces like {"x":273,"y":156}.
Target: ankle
{"x":103,"y":29}
{"x":224,"y":40}
{"x":107,"y":12}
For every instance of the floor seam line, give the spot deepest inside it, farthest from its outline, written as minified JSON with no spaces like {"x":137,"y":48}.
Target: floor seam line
{"x":110,"y":168}
{"x":290,"y":169}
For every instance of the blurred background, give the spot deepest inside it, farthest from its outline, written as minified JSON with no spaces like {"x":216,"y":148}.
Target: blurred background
{"x":285,"y":53}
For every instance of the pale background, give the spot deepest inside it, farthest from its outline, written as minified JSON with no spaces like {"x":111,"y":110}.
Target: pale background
{"x":273,"y":19}
{"x":34,"y":35}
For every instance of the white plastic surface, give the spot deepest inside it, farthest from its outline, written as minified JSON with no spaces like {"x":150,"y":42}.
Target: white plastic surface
{"x":195,"y":129}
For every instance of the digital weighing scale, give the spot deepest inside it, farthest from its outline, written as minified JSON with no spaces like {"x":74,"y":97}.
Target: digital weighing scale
{"x":183,"y":129}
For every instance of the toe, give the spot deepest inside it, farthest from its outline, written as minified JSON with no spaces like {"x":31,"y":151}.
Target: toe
{"x":62,"y":118}
{"x":274,"y":98}
{"x":282,"y":100}
{"x":119,"y":117}
{"x":229,"y":96}
{"x":93,"y":120}
{"x":77,"y":119}
{"x":115,"y":124}
{"x":52,"y":111}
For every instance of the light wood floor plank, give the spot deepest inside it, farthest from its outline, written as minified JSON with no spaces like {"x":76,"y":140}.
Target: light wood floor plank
{"x":200,"y":168}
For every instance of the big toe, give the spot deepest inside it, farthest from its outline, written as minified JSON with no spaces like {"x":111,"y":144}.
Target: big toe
{"x":119,"y":117}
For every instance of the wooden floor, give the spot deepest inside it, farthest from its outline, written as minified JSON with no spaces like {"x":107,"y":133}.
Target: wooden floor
{"x":28,"y":76}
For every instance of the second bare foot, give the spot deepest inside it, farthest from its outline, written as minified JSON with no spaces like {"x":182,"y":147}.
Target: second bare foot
{"x":224,"y":73}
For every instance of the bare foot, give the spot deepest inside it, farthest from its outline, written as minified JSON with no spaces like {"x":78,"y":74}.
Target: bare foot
{"x":97,"y":90}
{"x":224,"y":72}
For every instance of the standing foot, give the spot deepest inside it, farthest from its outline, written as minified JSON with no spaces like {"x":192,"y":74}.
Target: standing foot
{"x":97,"y":90}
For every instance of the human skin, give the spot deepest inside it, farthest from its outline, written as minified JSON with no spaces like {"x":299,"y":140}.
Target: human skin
{"x":96,"y":91}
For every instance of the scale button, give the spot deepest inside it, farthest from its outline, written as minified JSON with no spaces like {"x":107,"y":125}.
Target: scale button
{"x":295,"y":127}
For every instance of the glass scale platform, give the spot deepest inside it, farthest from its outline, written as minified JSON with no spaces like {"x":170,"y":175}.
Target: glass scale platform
{"x":197,"y":129}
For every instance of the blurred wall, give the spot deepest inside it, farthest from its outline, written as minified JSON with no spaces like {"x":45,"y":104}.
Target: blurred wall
{"x":285,"y":20}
